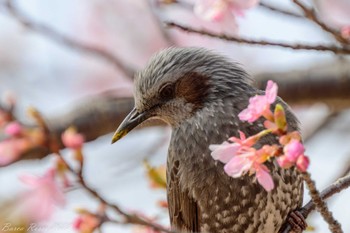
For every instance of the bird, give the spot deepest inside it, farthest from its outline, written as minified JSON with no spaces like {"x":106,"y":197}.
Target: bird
{"x":200,"y":93}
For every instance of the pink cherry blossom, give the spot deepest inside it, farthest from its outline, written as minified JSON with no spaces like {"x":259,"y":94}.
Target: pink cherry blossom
{"x":86,"y":223}
{"x":285,"y":139}
{"x":38,"y":203}
{"x":334,"y":12}
{"x":294,"y":155}
{"x":303,"y":163}
{"x":223,"y":11}
{"x":72,"y":139}
{"x":11,"y":150}
{"x":293,"y":150}
{"x":259,"y":105}
{"x":243,"y":140}
{"x":249,"y":162}
{"x":211,"y":10}
{"x":345,"y":32}
{"x":240,"y":157}
{"x":13,"y":129}
{"x":225,"y":151}
{"x":239,"y":164}
{"x":284,"y":162}
{"x":271,"y":91}
{"x":264,"y":178}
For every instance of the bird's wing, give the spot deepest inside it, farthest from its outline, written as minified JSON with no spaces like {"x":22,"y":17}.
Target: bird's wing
{"x":183,"y":209}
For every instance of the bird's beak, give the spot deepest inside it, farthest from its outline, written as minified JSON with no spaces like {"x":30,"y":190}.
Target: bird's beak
{"x":132,"y":120}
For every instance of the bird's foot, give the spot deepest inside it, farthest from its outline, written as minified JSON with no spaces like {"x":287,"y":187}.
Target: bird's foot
{"x":297,"y":222}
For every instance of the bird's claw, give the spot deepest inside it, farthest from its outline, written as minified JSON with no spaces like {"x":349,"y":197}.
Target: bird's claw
{"x":297,"y":222}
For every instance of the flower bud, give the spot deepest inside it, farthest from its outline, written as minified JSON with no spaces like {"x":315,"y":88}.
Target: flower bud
{"x":303,"y":163}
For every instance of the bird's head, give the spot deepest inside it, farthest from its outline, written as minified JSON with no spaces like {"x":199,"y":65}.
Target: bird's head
{"x":178,"y":82}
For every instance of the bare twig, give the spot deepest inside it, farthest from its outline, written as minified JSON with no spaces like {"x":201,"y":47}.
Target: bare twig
{"x":240,"y":40}
{"x":128,"y":218}
{"x":336,"y":187}
{"x":279,"y":10}
{"x":311,"y":14}
{"x":59,"y":38}
{"x":328,"y":83}
{"x":320,"y":205}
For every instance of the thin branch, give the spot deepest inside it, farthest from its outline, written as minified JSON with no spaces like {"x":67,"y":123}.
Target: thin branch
{"x":336,"y":187}
{"x":311,"y":14}
{"x":327,"y":83}
{"x":240,"y":40}
{"x":320,"y":205}
{"x":59,"y":38}
{"x":129,"y":218}
{"x":279,"y":10}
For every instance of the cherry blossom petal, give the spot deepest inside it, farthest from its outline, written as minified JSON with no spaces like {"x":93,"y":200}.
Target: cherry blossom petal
{"x":244,"y":4}
{"x":86,"y":223}
{"x":224,"y":152}
{"x":237,"y":166}
{"x":217,"y":11}
{"x":13,"y":129}
{"x":11,"y":150}
{"x":271,"y":91}
{"x":248,"y":115}
{"x":258,"y":103}
{"x":284,"y":162}
{"x":293,"y":150}
{"x":72,"y":139}
{"x":44,"y":194}
{"x":257,"y":106}
{"x":345,"y":32}
{"x":264,"y":178}
{"x":211,"y":10}
{"x":303,"y":163}
{"x":239,"y":140}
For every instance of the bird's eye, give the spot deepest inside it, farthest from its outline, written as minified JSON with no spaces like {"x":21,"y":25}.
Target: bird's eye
{"x":167,"y":91}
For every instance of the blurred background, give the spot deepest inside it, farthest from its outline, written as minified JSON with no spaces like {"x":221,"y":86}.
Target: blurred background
{"x":73,"y":61}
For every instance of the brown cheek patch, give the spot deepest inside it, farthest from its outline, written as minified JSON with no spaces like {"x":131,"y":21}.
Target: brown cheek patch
{"x":194,"y":88}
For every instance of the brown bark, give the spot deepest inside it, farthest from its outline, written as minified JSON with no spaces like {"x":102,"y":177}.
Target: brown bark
{"x":327,"y":83}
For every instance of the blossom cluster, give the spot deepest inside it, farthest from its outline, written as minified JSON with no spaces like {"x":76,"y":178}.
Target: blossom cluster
{"x":17,"y":139}
{"x":44,"y":193}
{"x":223,"y":11}
{"x":241,"y":157}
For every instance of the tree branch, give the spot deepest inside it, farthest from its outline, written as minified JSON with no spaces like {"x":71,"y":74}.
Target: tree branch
{"x":336,"y":187}
{"x":280,"y":11}
{"x":321,"y":205}
{"x":328,"y":83}
{"x":311,"y":14}
{"x":129,"y":218}
{"x":240,"y":40}
{"x":59,"y":38}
